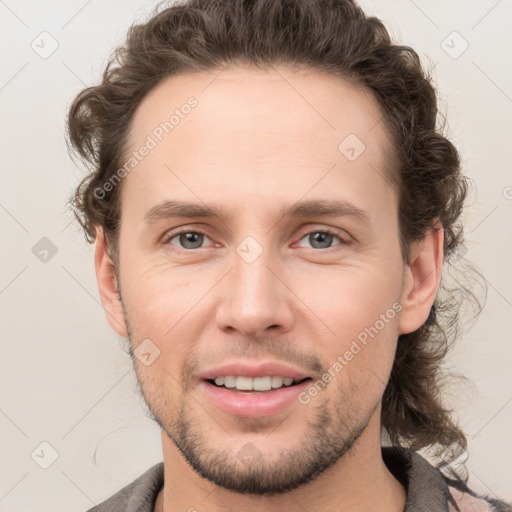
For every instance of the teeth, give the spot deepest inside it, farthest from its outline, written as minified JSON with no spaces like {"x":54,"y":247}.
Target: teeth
{"x":261,"y":383}
{"x":256,"y":384}
{"x":230,"y":381}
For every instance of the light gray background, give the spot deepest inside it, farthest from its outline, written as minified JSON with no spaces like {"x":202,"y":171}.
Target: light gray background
{"x":64,"y":378}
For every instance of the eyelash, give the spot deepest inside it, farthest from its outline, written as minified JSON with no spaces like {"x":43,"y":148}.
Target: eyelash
{"x":169,"y":236}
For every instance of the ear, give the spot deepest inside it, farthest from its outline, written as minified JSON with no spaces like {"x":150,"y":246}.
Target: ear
{"x":421,"y":280}
{"x":107,"y":286}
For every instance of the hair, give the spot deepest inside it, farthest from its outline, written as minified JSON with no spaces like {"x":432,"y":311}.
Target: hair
{"x":331,"y":36}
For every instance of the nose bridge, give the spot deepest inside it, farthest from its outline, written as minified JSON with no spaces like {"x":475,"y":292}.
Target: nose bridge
{"x":255,"y":299}
{"x":254,"y":287}
{"x":251,"y":274}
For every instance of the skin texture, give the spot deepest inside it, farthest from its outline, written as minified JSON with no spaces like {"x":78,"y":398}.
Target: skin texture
{"x":257,"y":142}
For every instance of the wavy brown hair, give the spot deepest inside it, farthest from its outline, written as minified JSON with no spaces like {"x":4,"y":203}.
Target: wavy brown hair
{"x":333,"y":36}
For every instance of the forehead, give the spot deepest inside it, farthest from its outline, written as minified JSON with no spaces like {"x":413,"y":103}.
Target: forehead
{"x":273,"y":131}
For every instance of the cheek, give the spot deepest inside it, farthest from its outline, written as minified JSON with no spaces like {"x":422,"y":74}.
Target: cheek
{"x":158,"y":294}
{"x":350,"y":299}
{"x":360,"y":307}
{"x":167,"y":305}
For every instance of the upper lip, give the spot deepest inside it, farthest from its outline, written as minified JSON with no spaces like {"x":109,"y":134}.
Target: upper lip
{"x":246,"y":369}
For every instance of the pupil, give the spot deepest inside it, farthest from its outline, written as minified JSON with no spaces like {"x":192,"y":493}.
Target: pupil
{"x":191,"y":240}
{"x":320,"y":238}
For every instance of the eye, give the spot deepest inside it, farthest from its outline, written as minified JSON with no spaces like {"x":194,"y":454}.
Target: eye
{"x":188,"y":240}
{"x":322,"y":239}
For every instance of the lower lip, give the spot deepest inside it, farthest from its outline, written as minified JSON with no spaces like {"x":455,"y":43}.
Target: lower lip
{"x":252,"y":404}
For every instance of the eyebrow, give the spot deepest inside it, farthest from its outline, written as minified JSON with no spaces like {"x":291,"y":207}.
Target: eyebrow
{"x":311,"y":208}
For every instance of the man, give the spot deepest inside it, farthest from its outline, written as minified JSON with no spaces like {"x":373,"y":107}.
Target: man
{"x":272,"y":208}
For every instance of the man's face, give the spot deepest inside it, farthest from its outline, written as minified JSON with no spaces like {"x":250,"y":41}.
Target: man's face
{"x":253,"y":286}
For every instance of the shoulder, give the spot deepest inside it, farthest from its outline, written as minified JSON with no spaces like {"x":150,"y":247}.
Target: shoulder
{"x":429,"y":489}
{"x":464,"y":499}
{"x":138,"y":496}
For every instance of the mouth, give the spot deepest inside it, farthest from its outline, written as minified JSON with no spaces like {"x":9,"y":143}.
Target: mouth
{"x":237,"y":396}
{"x":257,"y":385}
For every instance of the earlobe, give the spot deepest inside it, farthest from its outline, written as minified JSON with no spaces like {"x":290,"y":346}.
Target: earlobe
{"x":107,"y":286}
{"x":421,"y":280}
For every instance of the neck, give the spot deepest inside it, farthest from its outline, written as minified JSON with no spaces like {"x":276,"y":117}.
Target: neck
{"x":359,"y":481}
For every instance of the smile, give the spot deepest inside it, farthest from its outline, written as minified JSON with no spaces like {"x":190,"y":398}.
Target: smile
{"x":241,"y":396}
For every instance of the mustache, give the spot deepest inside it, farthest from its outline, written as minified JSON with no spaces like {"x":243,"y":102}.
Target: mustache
{"x":267,"y":348}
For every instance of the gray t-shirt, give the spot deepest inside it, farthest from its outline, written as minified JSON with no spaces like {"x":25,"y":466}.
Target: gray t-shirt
{"x":428,"y":490}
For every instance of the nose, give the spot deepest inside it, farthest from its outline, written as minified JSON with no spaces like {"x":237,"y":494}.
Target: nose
{"x":255,"y":298}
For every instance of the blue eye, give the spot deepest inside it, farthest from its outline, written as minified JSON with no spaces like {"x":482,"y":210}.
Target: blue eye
{"x":321,"y":239}
{"x":189,"y":239}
